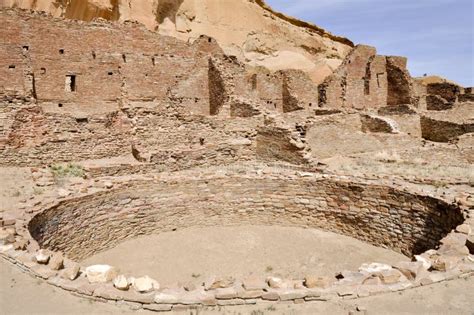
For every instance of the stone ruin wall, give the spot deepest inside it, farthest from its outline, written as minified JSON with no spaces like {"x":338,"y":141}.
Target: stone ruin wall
{"x":71,"y":94}
{"x":63,"y":100}
{"x":366,"y":80}
{"x":379,"y":215}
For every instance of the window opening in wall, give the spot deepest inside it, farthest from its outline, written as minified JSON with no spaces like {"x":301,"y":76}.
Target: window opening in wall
{"x":26,"y":48}
{"x":70,"y":83}
{"x":60,"y":105}
{"x":275,"y":105}
{"x":153,"y":60}
{"x":93,"y":55}
{"x":110,"y":73}
{"x":124,"y":58}
{"x":43,"y":70}
{"x":209,"y":40}
{"x":11,"y":67}
{"x":61,"y":51}
{"x":310,"y":104}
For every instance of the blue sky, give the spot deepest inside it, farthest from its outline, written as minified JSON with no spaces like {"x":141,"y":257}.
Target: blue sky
{"x":436,"y":35}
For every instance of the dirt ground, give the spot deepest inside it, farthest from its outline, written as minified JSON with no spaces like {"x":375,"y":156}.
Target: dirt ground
{"x":22,"y":294}
{"x":194,"y":254}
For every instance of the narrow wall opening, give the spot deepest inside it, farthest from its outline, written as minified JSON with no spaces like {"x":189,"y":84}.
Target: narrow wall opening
{"x":70,"y":84}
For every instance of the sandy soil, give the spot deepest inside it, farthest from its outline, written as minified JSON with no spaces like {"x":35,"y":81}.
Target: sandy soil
{"x":194,"y":254}
{"x":22,"y":294}
{"x":16,"y":183}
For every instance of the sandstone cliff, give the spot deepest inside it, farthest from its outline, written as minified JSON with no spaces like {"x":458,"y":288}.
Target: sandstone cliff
{"x":249,"y":29}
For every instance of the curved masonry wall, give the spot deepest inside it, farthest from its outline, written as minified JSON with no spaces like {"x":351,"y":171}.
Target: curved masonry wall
{"x":376,"y":214}
{"x":382,"y":215}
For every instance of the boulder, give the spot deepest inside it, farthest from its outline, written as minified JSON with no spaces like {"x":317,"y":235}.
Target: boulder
{"x":42,"y":256}
{"x":145,"y":284}
{"x":56,"y":262}
{"x":121,"y":282}
{"x":101,"y":273}
{"x":453,"y":250}
{"x":410,"y":269}
{"x":71,"y":272}
{"x":445,"y":263}
{"x":276,"y":283}
{"x":6,"y":237}
{"x":318,"y":282}
{"x":424,"y":260}
{"x":390,"y":276}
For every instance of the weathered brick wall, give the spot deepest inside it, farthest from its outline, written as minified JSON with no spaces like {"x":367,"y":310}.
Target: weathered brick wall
{"x":440,"y":130}
{"x":367,"y":81}
{"x":376,"y":214}
{"x":123,"y":63}
{"x":299,"y":91}
{"x":40,"y":138}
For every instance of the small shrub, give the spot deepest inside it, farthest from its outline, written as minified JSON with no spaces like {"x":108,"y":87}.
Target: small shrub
{"x":69,"y":170}
{"x":269,"y":269}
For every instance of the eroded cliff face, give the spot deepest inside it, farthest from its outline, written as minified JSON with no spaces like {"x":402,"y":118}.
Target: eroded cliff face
{"x":248,"y":29}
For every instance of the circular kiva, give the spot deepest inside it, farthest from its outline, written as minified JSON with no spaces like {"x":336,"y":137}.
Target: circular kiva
{"x":435,"y":233}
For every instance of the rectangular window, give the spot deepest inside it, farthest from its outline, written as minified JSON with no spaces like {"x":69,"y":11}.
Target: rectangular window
{"x":70,"y":85}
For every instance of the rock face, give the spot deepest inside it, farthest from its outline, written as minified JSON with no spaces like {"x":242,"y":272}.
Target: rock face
{"x":248,"y":29}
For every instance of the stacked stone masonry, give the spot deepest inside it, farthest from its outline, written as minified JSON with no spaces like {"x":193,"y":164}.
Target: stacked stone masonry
{"x":175,"y":106}
{"x":379,"y":214}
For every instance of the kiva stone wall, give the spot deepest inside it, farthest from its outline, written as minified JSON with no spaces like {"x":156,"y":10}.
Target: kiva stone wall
{"x":380,"y":215}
